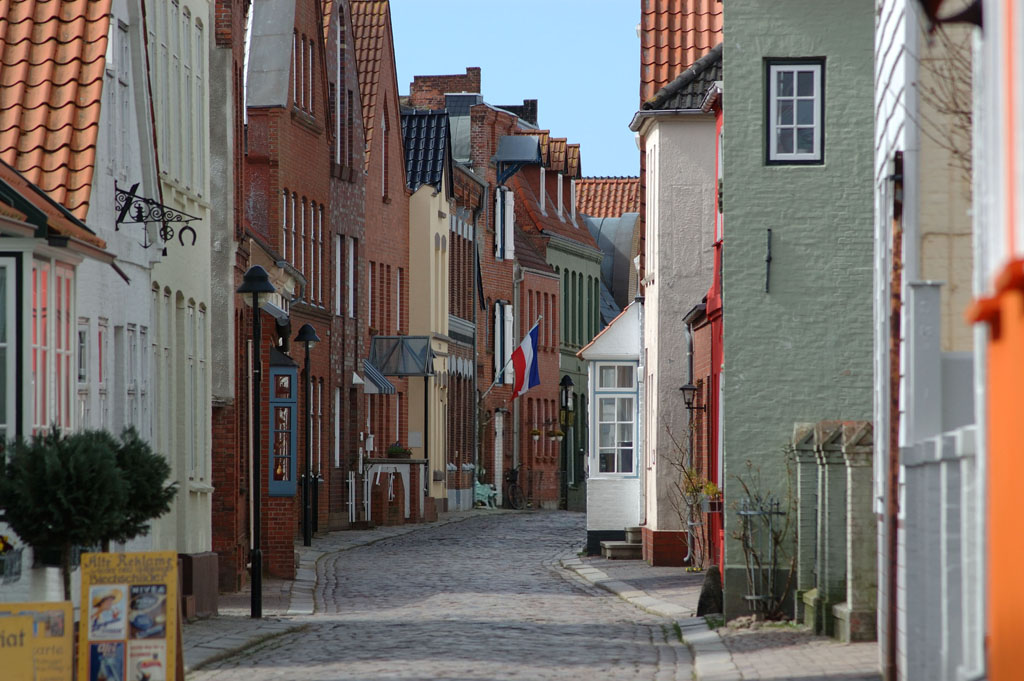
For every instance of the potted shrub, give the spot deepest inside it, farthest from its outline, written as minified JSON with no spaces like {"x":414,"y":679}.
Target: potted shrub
{"x":556,"y":435}
{"x":82,"y":490}
{"x":397,"y":451}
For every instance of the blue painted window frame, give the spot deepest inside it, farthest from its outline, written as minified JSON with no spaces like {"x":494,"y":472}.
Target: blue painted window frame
{"x":278,"y":487}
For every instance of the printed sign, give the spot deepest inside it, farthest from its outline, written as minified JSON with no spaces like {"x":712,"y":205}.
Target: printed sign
{"x":51,"y":638}
{"x":130,"y":626}
{"x":16,"y":646}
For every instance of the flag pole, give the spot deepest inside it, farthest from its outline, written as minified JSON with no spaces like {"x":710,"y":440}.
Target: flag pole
{"x":500,"y":373}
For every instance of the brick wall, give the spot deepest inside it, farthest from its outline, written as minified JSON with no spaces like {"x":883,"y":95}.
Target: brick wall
{"x":427,"y":92}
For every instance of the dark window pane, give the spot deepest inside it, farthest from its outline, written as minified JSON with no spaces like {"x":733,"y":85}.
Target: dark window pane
{"x":785,"y":84}
{"x":805,"y":83}
{"x":784,"y":143}
{"x":805,"y":112}
{"x":626,"y":461}
{"x":607,"y":461}
{"x":804,"y":140}
{"x":785,"y":112}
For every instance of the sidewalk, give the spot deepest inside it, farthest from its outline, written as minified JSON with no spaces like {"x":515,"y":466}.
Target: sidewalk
{"x":285,"y":602}
{"x":764,"y":652}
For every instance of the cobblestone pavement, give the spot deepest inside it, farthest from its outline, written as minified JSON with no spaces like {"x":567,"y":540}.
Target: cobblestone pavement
{"x":480,"y":599}
{"x":794,"y":654}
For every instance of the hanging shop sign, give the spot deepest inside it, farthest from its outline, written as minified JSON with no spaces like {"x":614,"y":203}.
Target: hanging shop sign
{"x":130,"y":628}
{"x":48,"y":641}
{"x":170,"y":224}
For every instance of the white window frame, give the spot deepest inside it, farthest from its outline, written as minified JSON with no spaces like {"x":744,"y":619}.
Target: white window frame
{"x":616,"y":393}
{"x":352,"y":277}
{"x":816,"y":68}
{"x":8,"y":427}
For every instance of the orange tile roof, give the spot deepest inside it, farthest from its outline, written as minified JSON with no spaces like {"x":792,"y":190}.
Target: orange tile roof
{"x":673,"y":35}
{"x":558,"y":154}
{"x":548,"y":222}
{"x":57,"y":220}
{"x":607,"y":197}
{"x":543,"y":136}
{"x":51,"y":86}
{"x":371,"y":31}
{"x":573,"y":161}
{"x":327,"y":6}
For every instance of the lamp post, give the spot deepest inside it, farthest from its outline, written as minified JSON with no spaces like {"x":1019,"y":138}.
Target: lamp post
{"x":307,"y":335}
{"x":257,"y":283}
{"x":567,"y":396}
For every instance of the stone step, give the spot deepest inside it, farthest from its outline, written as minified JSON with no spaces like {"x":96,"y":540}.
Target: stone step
{"x":622,"y":550}
{"x":634,"y":535}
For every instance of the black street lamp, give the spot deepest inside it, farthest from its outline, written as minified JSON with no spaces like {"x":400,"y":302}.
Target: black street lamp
{"x":256,"y":282}
{"x":307,"y":335}
{"x":566,"y":413}
{"x":689,"y":393}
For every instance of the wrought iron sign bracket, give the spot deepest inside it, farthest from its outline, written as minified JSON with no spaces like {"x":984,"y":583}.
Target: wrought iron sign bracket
{"x":133,"y":209}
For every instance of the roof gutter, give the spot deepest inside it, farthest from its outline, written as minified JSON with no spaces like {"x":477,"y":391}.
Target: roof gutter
{"x":640,"y":116}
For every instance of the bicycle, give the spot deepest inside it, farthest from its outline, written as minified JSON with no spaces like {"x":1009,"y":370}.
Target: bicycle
{"x":514,"y":496}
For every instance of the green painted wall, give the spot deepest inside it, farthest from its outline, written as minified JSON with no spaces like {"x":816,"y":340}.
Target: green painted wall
{"x":802,"y":352}
{"x":584,"y":303}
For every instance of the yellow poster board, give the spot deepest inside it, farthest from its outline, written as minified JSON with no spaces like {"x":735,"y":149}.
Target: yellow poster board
{"x":16,"y":647}
{"x":129,"y":628}
{"x":51,"y":637}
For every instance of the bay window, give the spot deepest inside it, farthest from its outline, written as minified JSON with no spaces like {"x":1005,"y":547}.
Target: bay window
{"x":615,"y":403}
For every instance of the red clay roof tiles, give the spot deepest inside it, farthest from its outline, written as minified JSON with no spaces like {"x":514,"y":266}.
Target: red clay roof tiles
{"x":607,"y":197}
{"x":52,"y":55}
{"x":56,"y":220}
{"x":370,"y":29}
{"x":558,"y":152}
{"x":573,"y":169}
{"x":673,"y":35}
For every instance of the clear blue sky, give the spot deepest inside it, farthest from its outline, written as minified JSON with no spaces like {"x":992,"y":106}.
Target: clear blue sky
{"x":579,"y":58}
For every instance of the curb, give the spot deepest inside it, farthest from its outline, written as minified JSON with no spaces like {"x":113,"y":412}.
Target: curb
{"x":711,"y":659}
{"x":251,"y":643}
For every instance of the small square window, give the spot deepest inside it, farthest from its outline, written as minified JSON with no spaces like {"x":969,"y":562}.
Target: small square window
{"x":795,"y":126}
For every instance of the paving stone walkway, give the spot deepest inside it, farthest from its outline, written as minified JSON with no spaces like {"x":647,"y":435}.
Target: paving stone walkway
{"x":769,"y":652}
{"x":485,"y":598}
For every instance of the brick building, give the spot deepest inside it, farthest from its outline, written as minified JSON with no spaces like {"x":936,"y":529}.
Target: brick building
{"x":386,"y":291}
{"x":348,"y":340}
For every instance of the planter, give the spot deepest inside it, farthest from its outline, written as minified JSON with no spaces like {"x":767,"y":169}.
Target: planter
{"x":711,"y":505}
{"x":399,"y":454}
{"x":10,"y":566}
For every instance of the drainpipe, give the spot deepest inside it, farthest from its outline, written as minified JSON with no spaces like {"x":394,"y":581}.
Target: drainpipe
{"x":642,"y":406}
{"x":517,"y":278}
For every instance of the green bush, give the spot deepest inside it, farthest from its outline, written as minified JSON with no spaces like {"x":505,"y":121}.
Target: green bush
{"x":85,"y":488}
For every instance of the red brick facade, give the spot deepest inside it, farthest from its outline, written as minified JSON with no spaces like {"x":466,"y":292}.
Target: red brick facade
{"x":427,"y":92}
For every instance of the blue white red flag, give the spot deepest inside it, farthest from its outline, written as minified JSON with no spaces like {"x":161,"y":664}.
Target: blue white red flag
{"x":525,"y":364}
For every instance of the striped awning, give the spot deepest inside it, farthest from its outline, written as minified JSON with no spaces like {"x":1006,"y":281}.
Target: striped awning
{"x":376,"y":382}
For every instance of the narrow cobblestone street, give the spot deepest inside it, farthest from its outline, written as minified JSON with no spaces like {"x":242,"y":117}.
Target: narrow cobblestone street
{"x":479,"y":599}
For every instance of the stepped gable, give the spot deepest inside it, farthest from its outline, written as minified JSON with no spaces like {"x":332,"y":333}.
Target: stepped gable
{"x":607,"y":197}
{"x":673,"y":35}
{"x":51,"y":85}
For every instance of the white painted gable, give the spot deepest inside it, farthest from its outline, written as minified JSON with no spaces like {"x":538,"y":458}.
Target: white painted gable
{"x":620,"y":340}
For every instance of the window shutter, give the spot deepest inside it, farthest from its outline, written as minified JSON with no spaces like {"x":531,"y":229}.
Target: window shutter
{"x":499,"y":233}
{"x":510,"y":217}
{"x":510,"y":374}
{"x":498,"y":335}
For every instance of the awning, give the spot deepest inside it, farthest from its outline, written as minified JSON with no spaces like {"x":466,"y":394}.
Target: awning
{"x":402,"y":355}
{"x":376,"y":383}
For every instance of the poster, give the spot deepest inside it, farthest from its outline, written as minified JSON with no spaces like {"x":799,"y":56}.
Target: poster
{"x":52,"y":626}
{"x":130,"y":619}
{"x":16,"y":646}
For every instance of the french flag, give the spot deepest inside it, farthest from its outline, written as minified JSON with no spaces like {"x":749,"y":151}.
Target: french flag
{"x":524,"y":362}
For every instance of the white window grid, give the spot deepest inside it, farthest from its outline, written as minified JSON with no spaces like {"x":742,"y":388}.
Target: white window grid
{"x":794,"y":112}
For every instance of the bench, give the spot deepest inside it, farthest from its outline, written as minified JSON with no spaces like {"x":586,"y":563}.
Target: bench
{"x":485,"y":494}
